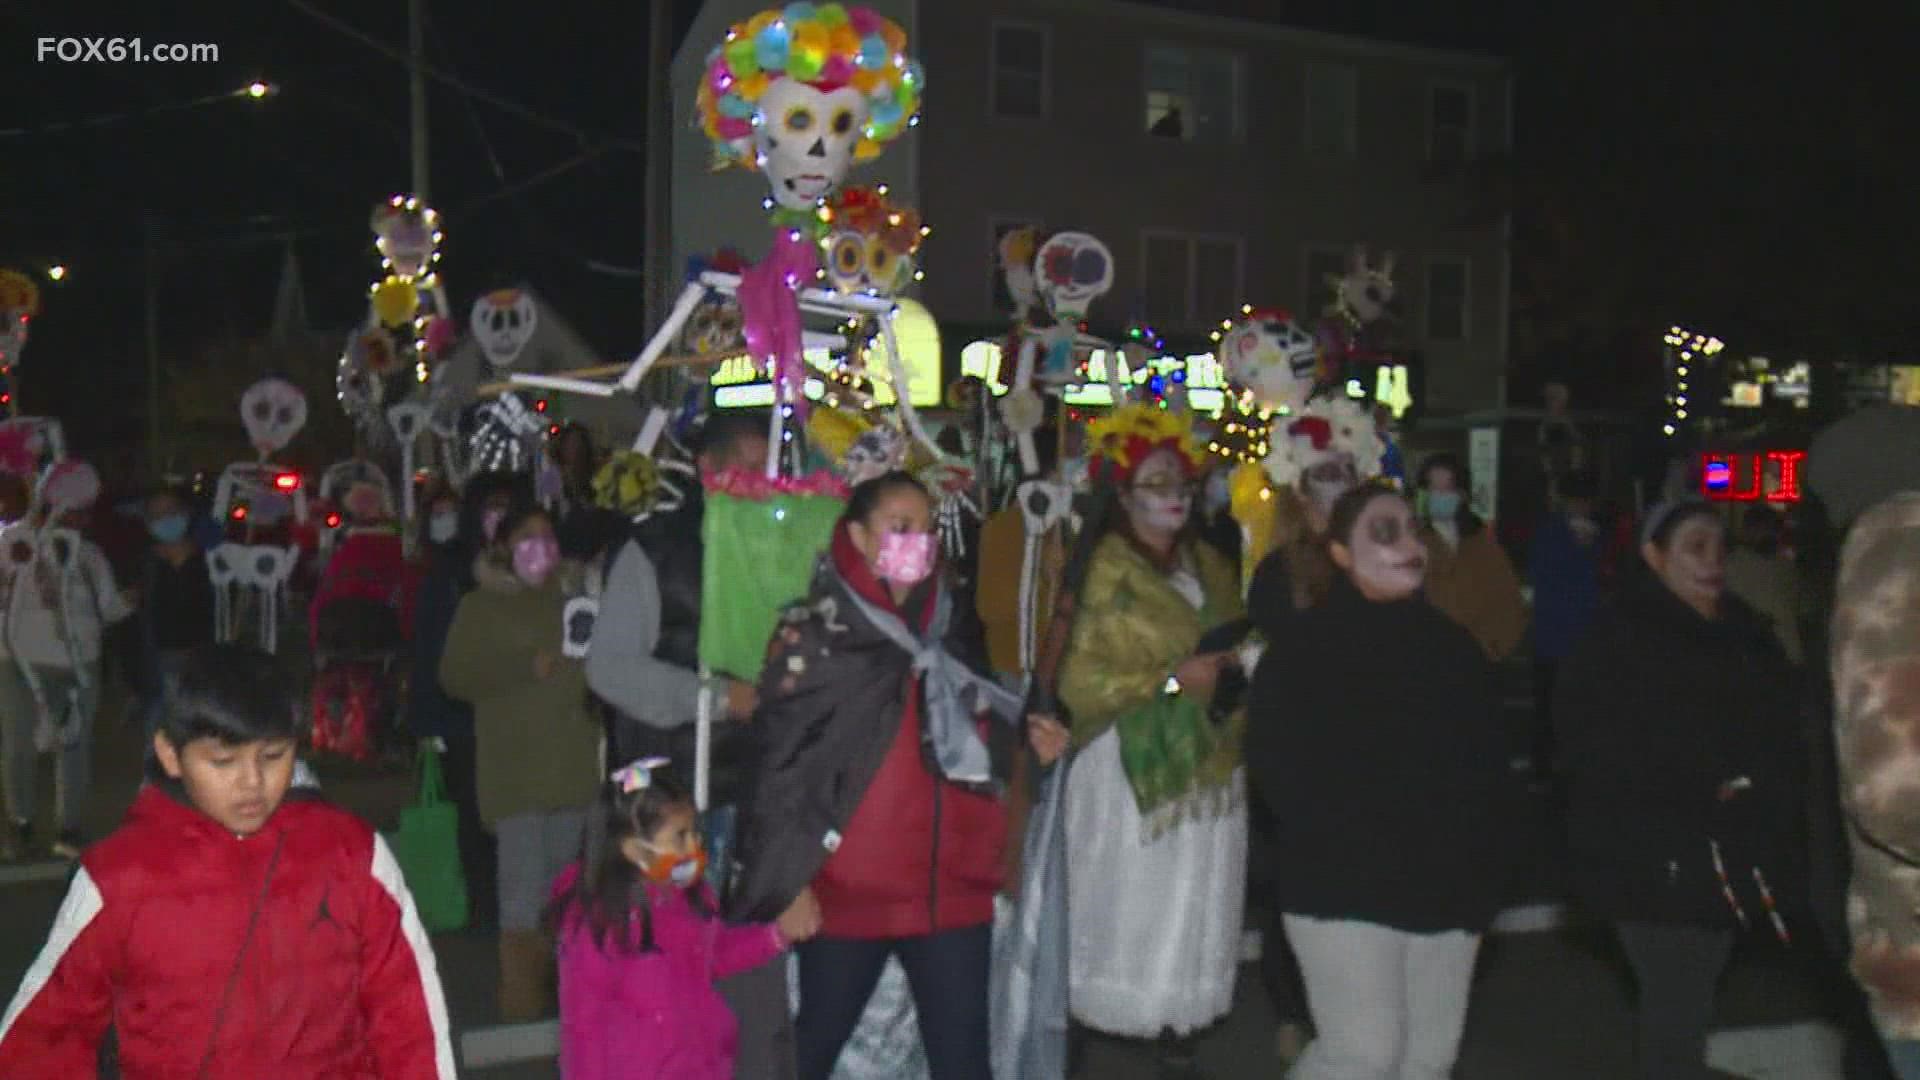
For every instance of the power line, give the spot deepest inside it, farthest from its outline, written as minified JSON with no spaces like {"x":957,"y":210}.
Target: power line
{"x":254,"y":91}
{"x":496,"y":100}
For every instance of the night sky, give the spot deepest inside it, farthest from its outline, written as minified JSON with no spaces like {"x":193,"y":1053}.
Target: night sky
{"x":1726,"y":166}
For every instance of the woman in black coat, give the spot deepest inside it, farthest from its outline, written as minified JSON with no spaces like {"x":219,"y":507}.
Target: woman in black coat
{"x":1373,"y":734}
{"x":1680,"y":748}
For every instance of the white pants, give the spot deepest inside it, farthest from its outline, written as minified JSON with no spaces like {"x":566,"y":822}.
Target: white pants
{"x":1387,"y":1004}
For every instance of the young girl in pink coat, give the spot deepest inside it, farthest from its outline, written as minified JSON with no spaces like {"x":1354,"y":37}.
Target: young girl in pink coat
{"x":640,"y":945}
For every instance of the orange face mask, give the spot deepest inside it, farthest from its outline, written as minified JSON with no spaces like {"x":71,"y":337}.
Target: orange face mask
{"x":681,"y":871}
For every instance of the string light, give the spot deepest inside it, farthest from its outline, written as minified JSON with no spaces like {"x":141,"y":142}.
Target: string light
{"x":1686,"y":345}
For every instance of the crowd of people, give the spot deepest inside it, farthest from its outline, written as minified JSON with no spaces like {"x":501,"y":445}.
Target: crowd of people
{"x":1317,"y":749}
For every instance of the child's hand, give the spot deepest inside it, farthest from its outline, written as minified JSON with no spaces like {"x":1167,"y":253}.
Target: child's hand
{"x":801,"y":920}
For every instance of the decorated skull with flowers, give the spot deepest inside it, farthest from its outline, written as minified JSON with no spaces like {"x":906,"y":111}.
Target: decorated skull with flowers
{"x":873,"y":242}
{"x":1121,"y":441}
{"x":1329,"y":432}
{"x":802,"y":92}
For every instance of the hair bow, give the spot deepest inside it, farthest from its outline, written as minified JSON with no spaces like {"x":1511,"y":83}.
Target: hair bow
{"x":637,"y":776}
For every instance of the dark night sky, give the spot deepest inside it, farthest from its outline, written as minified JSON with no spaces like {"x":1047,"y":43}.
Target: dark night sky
{"x":1726,"y":165}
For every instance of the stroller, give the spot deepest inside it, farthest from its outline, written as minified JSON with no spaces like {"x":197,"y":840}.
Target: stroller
{"x":360,"y":621}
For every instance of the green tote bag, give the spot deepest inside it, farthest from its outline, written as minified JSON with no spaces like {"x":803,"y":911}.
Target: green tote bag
{"x":427,"y":846}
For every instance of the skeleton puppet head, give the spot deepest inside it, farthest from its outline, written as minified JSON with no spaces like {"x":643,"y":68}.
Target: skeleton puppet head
{"x":872,"y":245}
{"x":274,"y":411}
{"x":503,"y":322}
{"x":1072,"y":270}
{"x":406,"y":231}
{"x":802,"y":92}
{"x":1271,"y":355}
{"x":1363,"y":293}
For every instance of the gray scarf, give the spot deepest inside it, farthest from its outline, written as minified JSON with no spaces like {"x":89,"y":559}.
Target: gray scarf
{"x":954,"y":693}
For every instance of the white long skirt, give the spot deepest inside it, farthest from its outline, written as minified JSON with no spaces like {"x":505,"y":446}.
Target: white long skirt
{"x":1156,"y":927}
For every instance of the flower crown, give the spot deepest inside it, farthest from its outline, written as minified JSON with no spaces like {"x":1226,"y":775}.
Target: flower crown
{"x":1327,"y":429}
{"x":1119,"y":441}
{"x":826,"y":46}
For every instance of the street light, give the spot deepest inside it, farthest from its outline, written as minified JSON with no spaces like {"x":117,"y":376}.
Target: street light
{"x":257,"y":89}
{"x":56,"y":272}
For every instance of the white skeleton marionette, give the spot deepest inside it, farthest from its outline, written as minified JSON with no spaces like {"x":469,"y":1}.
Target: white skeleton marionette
{"x":247,"y":577}
{"x":56,"y":581}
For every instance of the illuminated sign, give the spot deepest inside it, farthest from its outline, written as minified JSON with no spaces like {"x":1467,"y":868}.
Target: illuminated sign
{"x":1769,"y":476}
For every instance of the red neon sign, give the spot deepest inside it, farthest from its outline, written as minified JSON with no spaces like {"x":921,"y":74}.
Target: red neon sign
{"x":1743,"y":477}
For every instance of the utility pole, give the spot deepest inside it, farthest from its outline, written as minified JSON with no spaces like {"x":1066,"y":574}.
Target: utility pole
{"x":659,"y":210}
{"x":153,"y":346}
{"x":417,"y":52}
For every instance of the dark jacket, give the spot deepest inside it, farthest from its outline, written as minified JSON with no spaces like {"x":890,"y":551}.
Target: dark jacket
{"x":431,"y":712}
{"x":176,"y":603}
{"x":1373,"y":734}
{"x":1655,"y":710}
{"x":845,"y":799}
{"x":1565,"y":574}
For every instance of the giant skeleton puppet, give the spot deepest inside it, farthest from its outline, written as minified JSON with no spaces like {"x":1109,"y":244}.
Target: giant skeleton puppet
{"x":250,"y":577}
{"x":1315,"y":455}
{"x":798,"y":94}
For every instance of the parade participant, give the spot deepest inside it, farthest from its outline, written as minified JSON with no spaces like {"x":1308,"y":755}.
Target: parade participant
{"x":644,"y":663}
{"x":641,"y":945}
{"x":1563,"y":566}
{"x":176,"y":600}
{"x":1383,"y":905}
{"x":232,"y":928}
{"x":1469,"y":577}
{"x":879,"y":786}
{"x":1156,"y":820}
{"x":1680,"y":747}
{"x":58,"y":602}
{"x":537,"y":748}
{"x":433,"y":716}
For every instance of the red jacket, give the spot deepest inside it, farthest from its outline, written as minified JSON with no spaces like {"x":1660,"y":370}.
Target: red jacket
{"x":368,"y":565}
{"x":919,"y":855}
{"x":294,"y":953}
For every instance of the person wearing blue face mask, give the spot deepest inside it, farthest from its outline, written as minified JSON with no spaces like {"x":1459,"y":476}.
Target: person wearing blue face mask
{"x":176,"y":610}
{"x":1469,"y":577}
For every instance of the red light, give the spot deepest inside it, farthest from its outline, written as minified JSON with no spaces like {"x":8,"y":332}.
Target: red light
{"x":6,"y":399}
{"x":540,"y":406}
{"x":287,"y":481}
{"x":239,"y":513}
{"x":554,"y":430}
{"x":333,"y":521}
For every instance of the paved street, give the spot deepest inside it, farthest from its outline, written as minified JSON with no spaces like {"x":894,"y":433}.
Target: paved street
{"x":1549,"y":1002}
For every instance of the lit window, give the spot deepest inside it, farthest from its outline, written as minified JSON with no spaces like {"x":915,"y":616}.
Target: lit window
{"x":1192,"y":94}
{"x":1019,"y":71}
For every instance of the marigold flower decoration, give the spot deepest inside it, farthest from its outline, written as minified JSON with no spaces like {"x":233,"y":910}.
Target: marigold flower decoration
{"x":1119,"y":441}
{"x":869,"y":211}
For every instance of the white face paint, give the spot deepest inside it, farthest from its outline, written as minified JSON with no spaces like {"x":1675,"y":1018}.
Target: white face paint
{"x":805,"y":139}
{"x":1387,"y":560}
{"x":1160,"y":499}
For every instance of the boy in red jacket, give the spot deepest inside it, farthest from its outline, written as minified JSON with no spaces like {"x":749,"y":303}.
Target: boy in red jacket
{"x":227,"y":929}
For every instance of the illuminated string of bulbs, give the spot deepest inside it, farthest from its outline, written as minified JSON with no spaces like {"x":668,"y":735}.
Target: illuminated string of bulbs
{"x":427,"y":282}
{"x":1687,"y":345}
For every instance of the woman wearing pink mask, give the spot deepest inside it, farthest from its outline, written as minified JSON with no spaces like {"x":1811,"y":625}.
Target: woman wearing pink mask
{"x":537,"y":746}
{"x":1374,"y":737}
{"x":1155,"y":807}
{"x":886,"y":744}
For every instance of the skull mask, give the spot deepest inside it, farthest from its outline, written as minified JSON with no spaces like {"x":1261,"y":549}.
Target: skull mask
{"x":274,"y":411}
{"x":804,"y":139}
{"x":1072,"y":271}
{"x":406,"y":236}
{"x":872,"y":246}
{"x":503,"y":322}
{"x":1273,"y":357}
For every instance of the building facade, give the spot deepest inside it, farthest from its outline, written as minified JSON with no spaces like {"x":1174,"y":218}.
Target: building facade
{"x":1224,"y":162}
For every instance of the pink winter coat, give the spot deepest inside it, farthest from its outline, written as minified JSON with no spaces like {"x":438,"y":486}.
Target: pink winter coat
{"x":654,"y":1015}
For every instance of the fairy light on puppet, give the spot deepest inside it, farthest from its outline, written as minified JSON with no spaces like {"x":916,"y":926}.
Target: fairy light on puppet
{"x":407,"y":235}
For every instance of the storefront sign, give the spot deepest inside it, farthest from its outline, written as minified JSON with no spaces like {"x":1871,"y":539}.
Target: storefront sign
{"x":1769,"y":476}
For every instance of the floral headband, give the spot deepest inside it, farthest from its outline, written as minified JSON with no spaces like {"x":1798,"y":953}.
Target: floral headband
{"x":637,"y":776}
{"x":1120,"y":441}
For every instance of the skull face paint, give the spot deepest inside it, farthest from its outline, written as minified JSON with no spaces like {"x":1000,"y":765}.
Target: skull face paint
{"x":1071,"y":271}
{"x":805,"y":138}
{"x":503,"y":322}
{"x":1159,"y":500}
{"x":1384,"y":555}
{"x":274,"y":411}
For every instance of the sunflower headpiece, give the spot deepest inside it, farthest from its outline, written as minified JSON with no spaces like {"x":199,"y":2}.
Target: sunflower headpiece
{"x":1118,"y":442}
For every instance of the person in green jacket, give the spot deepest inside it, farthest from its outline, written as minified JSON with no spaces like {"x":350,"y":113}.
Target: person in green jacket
{"x":537,"y":745}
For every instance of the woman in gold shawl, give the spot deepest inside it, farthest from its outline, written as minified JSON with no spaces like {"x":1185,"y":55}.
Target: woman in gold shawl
{"x":1155,"y":806}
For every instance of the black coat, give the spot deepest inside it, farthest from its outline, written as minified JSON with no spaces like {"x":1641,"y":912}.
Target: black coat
{"x":1655,"y":710}
{"x":822,"y":732}
{"x":1374,"y":737}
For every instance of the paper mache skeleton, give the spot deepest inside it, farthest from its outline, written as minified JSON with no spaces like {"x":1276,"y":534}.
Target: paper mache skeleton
{"x":53,"y":559}
{"x":1271,"y":355}
{"x":1362,"y":298}
{"x":1070,"y":271}
{"x":19,"y":304}
{"x":254,"y":577}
